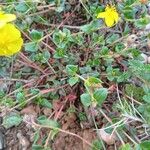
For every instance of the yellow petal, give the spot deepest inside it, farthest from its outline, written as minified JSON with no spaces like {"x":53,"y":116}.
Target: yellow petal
{"x":2,"y":24}
{"x":109,"y":21}
{"x":101,"y":15}
{"x":14,"y":47}
{"x":7,"y":17}
{"x":116,"y":16}
{"x":10,"y":40}
{"x":110,"y":15}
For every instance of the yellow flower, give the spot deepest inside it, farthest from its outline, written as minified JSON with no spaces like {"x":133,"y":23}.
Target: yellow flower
{"x":5,"y":18}
{"x":110,"y":15}
{"x":10,"y":40}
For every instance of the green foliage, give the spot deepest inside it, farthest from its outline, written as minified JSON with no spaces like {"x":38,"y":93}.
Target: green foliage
{"x":116,"y":75}
{"x":7,"y":102}
{"x":86,"y":99}
{"x":64,"y":42}
{"x":31,"y":47}
{"x":13,"y":119}
{"x":141,"y":23}
{"x":129,"y":12}
{"x":97,"y":145}
{"x":22,"y":7}
{"x":134,"y":91}
{"x":145,"y":111}
{"x":92,"y":26}
{"x":62,"y":38}
{"x":125,"y":147}
{"x":82,"y":116}
{"x":39,"y":147}
{"x":71,"y":69}
{"x":146,"y":98}
{"x":100,"y":95}
{"x":41,"y":57}
{"x":112,"y":38}
{"x":44,"y":102}
{"x":43,"y":120}
{"x":73,"y":80}
{"x":139,"y":69}
{"x":145,"y":145}
{"x":92,"y":81}
{"x":36,"y":35}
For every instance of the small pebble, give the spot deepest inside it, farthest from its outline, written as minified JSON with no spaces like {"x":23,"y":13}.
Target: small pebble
{"x":132,"y":40}
{"x":145,"y":58}
{"x":148,"y":60}
{"x":147,"y":28}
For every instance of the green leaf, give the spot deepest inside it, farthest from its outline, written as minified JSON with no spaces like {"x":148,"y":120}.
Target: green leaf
{"x":36,"y":136}
{"x":37,"y":147}
{"x":62,"y":38}
{"x":125,"y":147}
{"x":104,"y":50}
{"x":134,"y":91}
{"x":126,"y":29}
{"x":73,"y":80}
{"x":145,"y":111}
{"x":20,"y":97}
{"x":129,"y":2}
{"x":141,"y":23}
{"x":82,"y":116}
{"x":44,"y":102}
{"x":8,"y":102}
{"x":86,"y":99}
{"x":31,"y":47}
{"x":123,"y":77}
{"x":129,"y":12}
{"x":46,"y":55}
{"x":145,"y":145}
{"x":72,"y":69}
{"x":119,"y":47}
{"x":92,"y":81}
{"x":59,"y":53}
{"x":22,"y":7}
{"x":93,"y":26}
{"x":97,"y":145}
{"x":100,"y":95}
{"x":11,"y":120}
{"x":147,"y":98}
{"x":53,"y":134}
{"x":43,"y":120}
{"x":60,"y":5}
{"x":36,"y":35}
{"x":78,"y":39}
{"x":112,"y":38}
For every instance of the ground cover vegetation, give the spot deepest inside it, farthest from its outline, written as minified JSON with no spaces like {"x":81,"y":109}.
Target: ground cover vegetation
{"x":75,"y":74}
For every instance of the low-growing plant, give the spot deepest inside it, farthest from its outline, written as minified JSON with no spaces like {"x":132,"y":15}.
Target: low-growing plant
{"x":77,"y":57}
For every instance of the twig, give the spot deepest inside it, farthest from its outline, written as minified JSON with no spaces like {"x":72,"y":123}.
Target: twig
{"x":66,"y":132}
{"x":66,"y":26}
{"x":109,"y":120}
{"x":119,"y":96}
{"x":97,"y":130}
{"x":47,"y":140}
{"x":129,"y":137}
{"x":137,"y":102}
{"x":49,"y":34}
{"x":42,"y":12}
{"x":85,"y":7}
{"x":14,"y":80}
{"x":41,"y":92}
